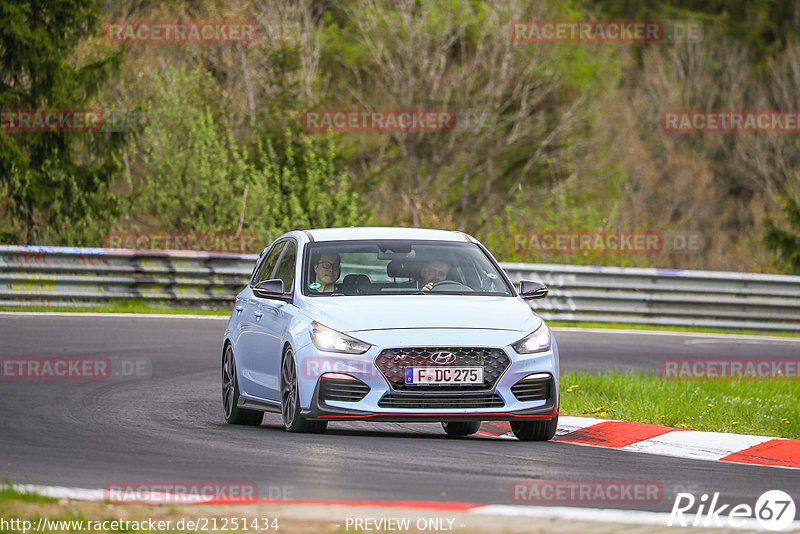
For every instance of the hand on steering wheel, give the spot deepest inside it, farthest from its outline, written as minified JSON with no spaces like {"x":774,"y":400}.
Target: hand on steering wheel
{"x":430,"y":285}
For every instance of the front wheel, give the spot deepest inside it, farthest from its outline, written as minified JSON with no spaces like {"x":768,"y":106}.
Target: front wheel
{"x":290,"y":400}
{"x":461,"y":428}
{"x":535,"y":430}
{"x":230,"y":395}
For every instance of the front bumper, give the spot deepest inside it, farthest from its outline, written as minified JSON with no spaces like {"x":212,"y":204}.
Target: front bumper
{"x":385,"y":401}
{"x":326,"y":411}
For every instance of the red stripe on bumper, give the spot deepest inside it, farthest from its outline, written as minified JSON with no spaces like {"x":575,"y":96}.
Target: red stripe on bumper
{"x":541,"y":416}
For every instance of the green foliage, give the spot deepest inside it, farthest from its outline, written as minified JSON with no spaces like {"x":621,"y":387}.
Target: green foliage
{"x":221,"y":148}
{"x":570,"y":207}
{"x":55,"y":184}
{"x":192,"y":170}
{"x":765,"y":26}
{"x":786,"y":243}
{"x":448,"y":55}
{"x":309,"y":190}
{"x":199,"y":178}
{"x":75,"y":207}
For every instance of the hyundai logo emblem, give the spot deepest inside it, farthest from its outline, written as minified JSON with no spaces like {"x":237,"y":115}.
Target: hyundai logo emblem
{"x":443,"y":358}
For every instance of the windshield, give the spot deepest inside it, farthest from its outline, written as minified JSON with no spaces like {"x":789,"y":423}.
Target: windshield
{"x":400,"y":268}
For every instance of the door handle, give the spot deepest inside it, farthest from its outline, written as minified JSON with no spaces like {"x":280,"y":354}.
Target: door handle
{"x":258,"y":314}
{"x":239,"y":309}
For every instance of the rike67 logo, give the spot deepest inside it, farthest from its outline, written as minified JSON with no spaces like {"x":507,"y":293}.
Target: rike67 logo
{"x":774,"y":510}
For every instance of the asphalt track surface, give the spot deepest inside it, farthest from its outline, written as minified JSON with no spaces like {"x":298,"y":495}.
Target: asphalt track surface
{"x":169,"y":426}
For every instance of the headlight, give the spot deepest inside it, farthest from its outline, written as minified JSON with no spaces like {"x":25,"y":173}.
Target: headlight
{"x":537,"y":341}
{"x":330,"y":340}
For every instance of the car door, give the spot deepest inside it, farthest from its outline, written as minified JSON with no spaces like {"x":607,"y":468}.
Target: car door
{"x":248,"y":344}
{"x":272,"y":324}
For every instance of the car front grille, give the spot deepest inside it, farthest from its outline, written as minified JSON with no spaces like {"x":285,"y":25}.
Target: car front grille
{"x":342,"y":390}
{"x":441,"y":401}
{"x":533,"y":388}
{"x":393,"y":362}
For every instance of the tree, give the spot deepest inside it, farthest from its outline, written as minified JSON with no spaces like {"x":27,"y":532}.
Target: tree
{"x":766,"y":26}
{"x":55,"y":184}
{"x":193,"y":175}
{"x":188,"y":169}
{"x":515,"y":104}
{"x":786,"y":243}
{"x":312,"y":191}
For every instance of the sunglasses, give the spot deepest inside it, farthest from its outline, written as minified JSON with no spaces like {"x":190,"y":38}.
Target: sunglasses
{"x":329,"y":265}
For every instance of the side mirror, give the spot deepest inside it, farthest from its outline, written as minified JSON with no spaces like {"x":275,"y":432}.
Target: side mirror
{"x":269,"y":289}
{"x":528,"y":289}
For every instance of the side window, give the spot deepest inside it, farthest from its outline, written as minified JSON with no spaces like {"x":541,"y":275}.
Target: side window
{"x":269,"y":264}
{"x":286,"y":268}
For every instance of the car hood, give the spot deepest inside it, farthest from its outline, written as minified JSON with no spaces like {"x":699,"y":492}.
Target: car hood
{"x":363,"y":313}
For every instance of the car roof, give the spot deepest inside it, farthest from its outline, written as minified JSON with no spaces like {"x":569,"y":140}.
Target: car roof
{"x":356,"y":233}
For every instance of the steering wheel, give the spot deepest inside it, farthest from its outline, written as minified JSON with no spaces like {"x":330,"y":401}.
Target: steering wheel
{"x":450,"y":285}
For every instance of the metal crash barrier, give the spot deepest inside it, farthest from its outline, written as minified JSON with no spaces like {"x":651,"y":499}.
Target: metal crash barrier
{"x":69,"y":276}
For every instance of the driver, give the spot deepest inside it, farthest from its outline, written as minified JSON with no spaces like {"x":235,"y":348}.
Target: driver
{"x":432,"y":272}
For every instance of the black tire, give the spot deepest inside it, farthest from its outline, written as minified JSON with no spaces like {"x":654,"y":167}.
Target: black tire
{"x":535,"y":430}
{"x":230,"y":395}
{"x":461,"y":428}
{"x":293,"y":421}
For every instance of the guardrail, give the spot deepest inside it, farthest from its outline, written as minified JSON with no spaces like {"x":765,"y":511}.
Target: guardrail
{"x":665,"y":296}
{"x":49,"y":276}
{"x":52,"y":276}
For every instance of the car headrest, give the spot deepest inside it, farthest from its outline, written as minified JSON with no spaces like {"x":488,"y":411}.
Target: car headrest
{"x":356,"y":284}
{"x":401,"y":269}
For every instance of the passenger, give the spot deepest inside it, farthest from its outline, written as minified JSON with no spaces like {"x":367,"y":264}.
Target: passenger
{"x":432,"y":272}
{"x":328,"y":267}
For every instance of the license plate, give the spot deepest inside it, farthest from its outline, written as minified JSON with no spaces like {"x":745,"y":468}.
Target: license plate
{"x":444,"y":375}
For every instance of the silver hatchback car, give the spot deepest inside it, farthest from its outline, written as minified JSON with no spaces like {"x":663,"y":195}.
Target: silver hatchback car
{"x":388,"y":324}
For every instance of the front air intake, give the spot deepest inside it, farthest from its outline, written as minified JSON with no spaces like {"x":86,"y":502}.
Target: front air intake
{"x":533,"y":387}
{"x":439,"y":401}
{"x":342,"y":388}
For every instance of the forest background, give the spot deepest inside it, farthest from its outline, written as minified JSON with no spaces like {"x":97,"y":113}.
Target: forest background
{"x":550,"y":137}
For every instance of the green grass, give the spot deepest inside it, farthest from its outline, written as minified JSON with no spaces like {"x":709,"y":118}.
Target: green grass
{"x":760,"y":407}
{"x":122,"y":306}
{"x":8,"y":493}
{"x":703,"y":329}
